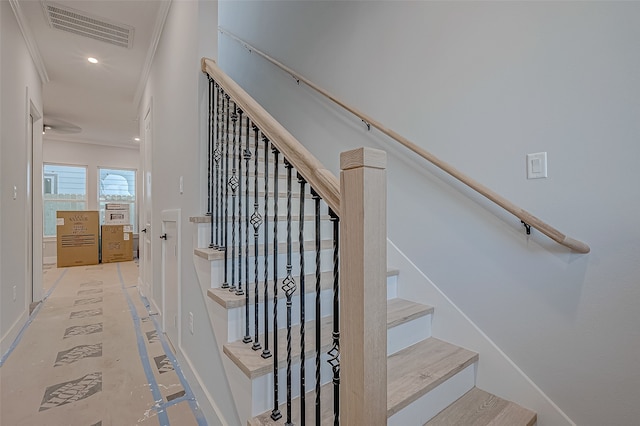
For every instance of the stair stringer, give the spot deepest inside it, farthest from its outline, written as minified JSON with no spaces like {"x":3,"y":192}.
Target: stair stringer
{"x":218,"y":318}
{"x":496,"y":372}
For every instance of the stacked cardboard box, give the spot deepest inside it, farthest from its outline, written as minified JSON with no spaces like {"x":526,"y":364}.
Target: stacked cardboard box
{"x":117,"y":243}
{"x":77,"y":238}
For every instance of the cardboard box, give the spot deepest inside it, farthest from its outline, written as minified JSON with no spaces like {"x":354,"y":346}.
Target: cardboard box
{"x":117,"y":243}
{"x":77,"y":238}
{"x":116,"y":214}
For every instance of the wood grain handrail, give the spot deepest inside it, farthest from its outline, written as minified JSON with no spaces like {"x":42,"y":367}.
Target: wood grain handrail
{"x":313,"y":171}
{"x":520,"y":213}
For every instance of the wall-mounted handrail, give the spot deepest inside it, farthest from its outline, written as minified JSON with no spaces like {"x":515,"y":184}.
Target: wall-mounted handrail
{"x":520,"y":213}
{"x":321,"y":180}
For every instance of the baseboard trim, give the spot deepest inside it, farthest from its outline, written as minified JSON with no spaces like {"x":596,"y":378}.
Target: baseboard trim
{"x":201,"y":392}
{"x":10,"y":336}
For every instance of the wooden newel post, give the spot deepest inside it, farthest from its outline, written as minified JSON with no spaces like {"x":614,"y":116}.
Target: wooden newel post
{"x":363,"y":288}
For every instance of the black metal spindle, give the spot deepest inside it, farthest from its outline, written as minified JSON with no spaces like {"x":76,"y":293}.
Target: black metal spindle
{"x":303,"y":387}
{"x":239,"y":291}
{"x":247,"y":157}
{"x":220,"y":172}
{"x":233,"y":184}
{"x":316,"y":199}
{"x":265,"y":352}
{"x":210,"y":150}
{"x":334,"y":353}
{"x":225,"y":220}
{"x":256,"y":221}
{"x":275,"y":413}
{"x":289,"y":286}
{"x":216,"y":157}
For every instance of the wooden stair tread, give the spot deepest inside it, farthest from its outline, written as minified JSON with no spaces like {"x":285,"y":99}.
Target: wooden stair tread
{"x":229,"y":299}
{"x":411,"y":373}
{"x":253,"y":365}
{"x":416,"y":370}
{"x":480,"y":408}
{"x":400,"y":311}
{"x":326,"y":409}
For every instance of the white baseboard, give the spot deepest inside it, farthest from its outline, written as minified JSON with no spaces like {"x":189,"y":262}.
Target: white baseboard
{"x":200,"y":392}
{"x":496,"y":373}
{"x":11,"y":334}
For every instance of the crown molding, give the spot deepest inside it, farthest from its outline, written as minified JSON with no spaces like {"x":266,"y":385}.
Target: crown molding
{"x":32,"y":46}
{"x":163,"y":11}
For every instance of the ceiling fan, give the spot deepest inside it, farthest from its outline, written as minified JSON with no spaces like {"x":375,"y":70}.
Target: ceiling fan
{"x":56,"y":125}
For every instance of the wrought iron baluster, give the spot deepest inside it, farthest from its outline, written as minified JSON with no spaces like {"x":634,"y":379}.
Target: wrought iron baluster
{"x":303,"y":387}
{"x":289,"y":287}
{"x":233,"y":184}
{"x":275,"y":413}
{"x":256,"y":221}
{"x":237,"y":159}
{"x":210,"y":149}
{"x":225,"y":221}
{"x":265,"y":352}
{"x":247,"y":157}
{"x":334,"y":353}
{"x":316,"y":199}
{"x":215,"y":241}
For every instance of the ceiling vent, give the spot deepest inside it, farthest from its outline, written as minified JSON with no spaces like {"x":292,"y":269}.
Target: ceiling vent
{"x":86,"y":25}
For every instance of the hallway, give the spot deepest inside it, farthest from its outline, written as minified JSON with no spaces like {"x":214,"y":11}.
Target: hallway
{"x":91,"y":354}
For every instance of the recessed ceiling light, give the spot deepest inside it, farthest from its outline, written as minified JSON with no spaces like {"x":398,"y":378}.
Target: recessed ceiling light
{"x":92,"y":60}
{"x":136,"y":139}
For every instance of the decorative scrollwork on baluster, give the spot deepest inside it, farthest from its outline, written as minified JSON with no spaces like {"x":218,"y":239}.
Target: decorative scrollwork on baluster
{"x":225,"y":183}
{"x":334,"y":353}
{"x":247,"y":156}
{"x":256,"y":221}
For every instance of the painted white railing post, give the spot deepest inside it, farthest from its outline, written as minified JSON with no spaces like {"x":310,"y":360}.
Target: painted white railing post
{"x":363,"y":294}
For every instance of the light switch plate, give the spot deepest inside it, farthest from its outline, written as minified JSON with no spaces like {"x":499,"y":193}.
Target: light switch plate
{"x":537,"y":165}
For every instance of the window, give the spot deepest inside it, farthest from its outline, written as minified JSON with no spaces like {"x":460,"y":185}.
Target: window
{"x":118,"y":186}
{"x":65,"y":188}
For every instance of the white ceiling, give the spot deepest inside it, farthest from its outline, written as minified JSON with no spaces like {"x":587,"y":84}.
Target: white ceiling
{"x":101,"y":99}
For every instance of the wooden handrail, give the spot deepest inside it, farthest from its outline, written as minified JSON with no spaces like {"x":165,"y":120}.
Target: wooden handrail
{"x":317,"y":176}
{"x":523,"y":215}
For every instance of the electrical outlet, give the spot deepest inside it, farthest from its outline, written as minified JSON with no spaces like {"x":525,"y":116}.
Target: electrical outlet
{"x":14,"y":293}
{"x":191,"y":322}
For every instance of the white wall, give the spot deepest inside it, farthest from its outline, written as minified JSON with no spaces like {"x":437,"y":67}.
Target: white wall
{"x":92,"y":157}
{"x":481,"y":84}
{"x":20,"y":88}
{"x":176,"y":90}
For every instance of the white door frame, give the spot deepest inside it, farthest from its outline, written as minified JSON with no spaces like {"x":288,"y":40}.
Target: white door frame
{"x":172,"y":215}
{"x":34,"y":203}
{"x":146,"y":242}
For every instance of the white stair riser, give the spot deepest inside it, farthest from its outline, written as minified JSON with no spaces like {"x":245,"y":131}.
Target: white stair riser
{"x":203,"y":235}
{"x":309,"y":204}
{"x":407,"y":334}
{"x":262,"y":387}
{"x":236,"y":316}
{"x":392,"y":287}
{"x":426,"y":407}
{"x":326,"y":264}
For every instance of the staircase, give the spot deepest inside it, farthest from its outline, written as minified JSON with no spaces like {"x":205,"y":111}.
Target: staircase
{"x":429,"y":381}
